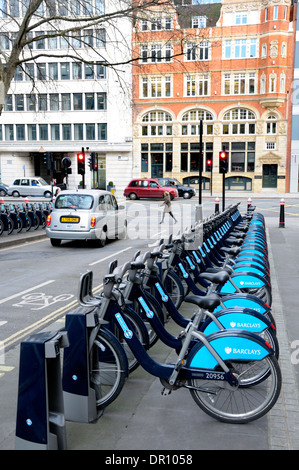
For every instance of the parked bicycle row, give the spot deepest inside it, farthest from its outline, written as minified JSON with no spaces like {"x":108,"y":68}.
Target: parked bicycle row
{"x":226,"y":353}
{"x":22,"y":217}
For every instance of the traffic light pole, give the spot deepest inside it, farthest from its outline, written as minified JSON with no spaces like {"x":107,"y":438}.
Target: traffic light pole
{"x":198,"y":209}
{"x":83,"y":175}
{"x":223,"y":168}
{"x":223,"y":191}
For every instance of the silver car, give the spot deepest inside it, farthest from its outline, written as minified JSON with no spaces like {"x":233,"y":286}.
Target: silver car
{"x":31,"y":186}
{"x":86,"y":214}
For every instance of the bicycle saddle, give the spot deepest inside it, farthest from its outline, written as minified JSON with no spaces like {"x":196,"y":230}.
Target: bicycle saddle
{"x":137,"y":265}
{"x":228,"y":269}
{"x":232,"y":250}
{"x":234,"y":241}
{"x":238,"y":234}
{"x":209,"y":302}
{"x":218,"y":278}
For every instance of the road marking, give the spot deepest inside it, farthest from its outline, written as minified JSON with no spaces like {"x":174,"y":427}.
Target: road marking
{"x":19,"y":335}
{"x":13,"y":247}
{"x":25,"y":291}
{"x":110,"y":256}
{"x":6,"y":368}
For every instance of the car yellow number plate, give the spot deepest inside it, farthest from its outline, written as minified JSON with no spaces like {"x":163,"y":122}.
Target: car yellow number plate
{"x":70,"y":220}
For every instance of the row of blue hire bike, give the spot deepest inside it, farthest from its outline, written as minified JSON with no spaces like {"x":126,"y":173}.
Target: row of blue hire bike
{"x":23,"y":216}
{"x":226,"y":352}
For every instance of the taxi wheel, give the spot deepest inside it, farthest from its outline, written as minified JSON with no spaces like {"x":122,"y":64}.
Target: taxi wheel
{"x":103,"y":238}
{"x":55,"y":241}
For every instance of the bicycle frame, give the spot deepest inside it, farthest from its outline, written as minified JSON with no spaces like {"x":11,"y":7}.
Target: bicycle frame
{"x":237,"y":345}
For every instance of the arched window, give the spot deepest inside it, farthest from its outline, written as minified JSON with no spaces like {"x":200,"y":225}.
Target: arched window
{"x":272,"y":83}
{"x":156,"y":123}
{"x":191,"y":122}
{"x":239,"y":121}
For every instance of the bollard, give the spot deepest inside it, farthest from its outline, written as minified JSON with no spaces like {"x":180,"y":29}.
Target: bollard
{"x":281,"y":215}
{"x":217,"y":205}
{"x":40,"y":414}
{"x":249,"y":201}
{"x":79,"y":396}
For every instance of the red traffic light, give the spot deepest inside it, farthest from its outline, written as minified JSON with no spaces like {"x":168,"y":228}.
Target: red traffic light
{"x":223,"y":161}
{"x":81,"y":163}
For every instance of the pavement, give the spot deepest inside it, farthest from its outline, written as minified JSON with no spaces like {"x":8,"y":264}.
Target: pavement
{"x":141,"y":419}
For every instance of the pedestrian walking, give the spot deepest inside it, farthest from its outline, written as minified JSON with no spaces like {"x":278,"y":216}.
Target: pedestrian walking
{"x":167,"y":207}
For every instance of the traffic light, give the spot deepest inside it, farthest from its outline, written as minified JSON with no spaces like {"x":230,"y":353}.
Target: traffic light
{"x":96,"y":162}
{"x":47,"y":160}
{"x":223,"y":162}
{"x":209,"y":164}
{"x":66,"y":162}
{"x":91,"y":161}
{"x":81,"y":163}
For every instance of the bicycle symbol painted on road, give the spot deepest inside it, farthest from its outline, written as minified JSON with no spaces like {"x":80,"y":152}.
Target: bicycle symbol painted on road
{"x":39,"y":300}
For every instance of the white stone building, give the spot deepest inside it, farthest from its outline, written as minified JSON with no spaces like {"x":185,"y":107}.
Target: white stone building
{"x":70,"y":105}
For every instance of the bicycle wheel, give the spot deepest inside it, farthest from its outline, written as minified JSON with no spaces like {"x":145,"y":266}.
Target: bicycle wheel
{"x":107,"y":368}
{"x":10,"y":225}
{"x":28,"y":224}
{"x":263,"y":293}
{"x":174,"y":288}
{"x":240,"y":404}
{"x":140,"y":330}
{"x":19,"y":225}
{"x":35,"y":222}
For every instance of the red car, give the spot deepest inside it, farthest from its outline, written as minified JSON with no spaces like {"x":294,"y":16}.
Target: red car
{"x":148,"y":187}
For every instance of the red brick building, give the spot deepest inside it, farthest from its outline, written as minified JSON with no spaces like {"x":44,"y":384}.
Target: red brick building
{"x":228,"y":65}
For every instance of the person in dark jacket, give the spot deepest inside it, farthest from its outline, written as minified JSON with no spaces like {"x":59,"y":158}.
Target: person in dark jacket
{"x":167,"y":207}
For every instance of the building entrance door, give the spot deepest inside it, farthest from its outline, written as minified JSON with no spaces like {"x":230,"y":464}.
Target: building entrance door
{"x":157,"y":165}
{"x":99,"y":176}
{"x":270,"y":176}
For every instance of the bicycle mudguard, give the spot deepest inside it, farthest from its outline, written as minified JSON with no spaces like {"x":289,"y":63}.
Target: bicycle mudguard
{"x":237,"y":345}
{"x":252,"y":260}
{"x":243,"y":300}
{"x":244,"y":319}
{"x":254,"y":250}
{"x":240,"y":268}
{"x":249,"y":254}
{"x":244,"y":280}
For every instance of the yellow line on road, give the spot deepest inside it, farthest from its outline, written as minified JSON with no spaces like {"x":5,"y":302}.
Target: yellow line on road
{"x":6,"y":368}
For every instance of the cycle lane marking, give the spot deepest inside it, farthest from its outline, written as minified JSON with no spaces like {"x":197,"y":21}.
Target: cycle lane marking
{"x":51,"y":317}
{"x":26,"y":291}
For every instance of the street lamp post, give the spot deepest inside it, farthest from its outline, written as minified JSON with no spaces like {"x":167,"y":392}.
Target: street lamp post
{"x":198,"y":209}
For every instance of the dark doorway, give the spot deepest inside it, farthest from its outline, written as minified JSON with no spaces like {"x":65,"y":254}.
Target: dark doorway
{"x":270,"y":176}
{"x":157,"y":165}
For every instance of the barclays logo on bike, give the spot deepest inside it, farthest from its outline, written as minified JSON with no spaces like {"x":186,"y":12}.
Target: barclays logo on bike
{"x":242,"y":352}
{"x":250,"y":283}
{"x":254,"y":326}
